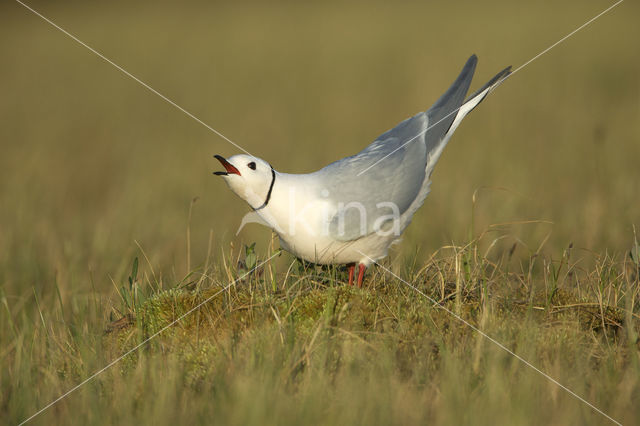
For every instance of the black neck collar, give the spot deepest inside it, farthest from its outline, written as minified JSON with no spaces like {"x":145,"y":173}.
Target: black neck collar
{"x":266,"y":201}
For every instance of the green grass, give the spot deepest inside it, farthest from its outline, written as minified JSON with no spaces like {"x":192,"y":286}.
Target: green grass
{"x":526,"y":235}
{"x":316,"y":350}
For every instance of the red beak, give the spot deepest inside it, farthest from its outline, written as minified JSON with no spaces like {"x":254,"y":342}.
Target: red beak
{"x":230,"y":169}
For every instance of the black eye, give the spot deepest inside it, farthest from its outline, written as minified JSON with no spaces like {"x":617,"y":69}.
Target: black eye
{"x":252,"y":165}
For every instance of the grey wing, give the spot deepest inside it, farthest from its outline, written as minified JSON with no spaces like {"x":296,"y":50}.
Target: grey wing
{"x":443,"y":113}
{"x":360,"y":198}
{"x":382,"y":181}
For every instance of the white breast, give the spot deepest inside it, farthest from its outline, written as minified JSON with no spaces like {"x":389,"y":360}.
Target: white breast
{"x":300,"y":215}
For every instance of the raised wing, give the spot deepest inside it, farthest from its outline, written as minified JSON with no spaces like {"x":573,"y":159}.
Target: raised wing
{"x":360,"y":184}
{"x":390,"y":176}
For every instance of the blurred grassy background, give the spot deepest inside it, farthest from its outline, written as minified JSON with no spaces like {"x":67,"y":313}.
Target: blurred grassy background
{"x":91,"y":162}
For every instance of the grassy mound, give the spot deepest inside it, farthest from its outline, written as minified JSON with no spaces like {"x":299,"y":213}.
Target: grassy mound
{"x":403,"y":351}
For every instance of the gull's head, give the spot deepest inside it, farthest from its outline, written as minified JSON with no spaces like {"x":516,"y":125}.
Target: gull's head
{"x":249,"y":177}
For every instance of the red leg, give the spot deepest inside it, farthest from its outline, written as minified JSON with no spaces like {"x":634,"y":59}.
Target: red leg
{"x":361,"y":274}
{"x":351,"y":268}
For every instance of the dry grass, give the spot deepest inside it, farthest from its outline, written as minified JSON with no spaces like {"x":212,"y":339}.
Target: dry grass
{"x":313,"y":349}
{"x":95,"y":171}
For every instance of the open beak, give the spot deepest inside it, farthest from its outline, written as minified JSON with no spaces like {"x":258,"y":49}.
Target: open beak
{"x":230,"y":169}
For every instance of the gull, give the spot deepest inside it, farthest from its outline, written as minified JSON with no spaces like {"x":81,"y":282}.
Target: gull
{"x":351,"y":211}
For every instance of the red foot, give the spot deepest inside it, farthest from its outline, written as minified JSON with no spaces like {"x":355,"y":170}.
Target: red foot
{"x":351,"y":268}
{"x":361,"y":269}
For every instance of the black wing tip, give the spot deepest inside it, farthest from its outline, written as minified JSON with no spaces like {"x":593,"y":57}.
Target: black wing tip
{"x":500,"y":76}
{"x":505,"y":72}
{"x":493,"y":83}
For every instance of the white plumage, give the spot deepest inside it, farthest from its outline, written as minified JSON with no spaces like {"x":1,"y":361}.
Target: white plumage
{"x":353,"y":210}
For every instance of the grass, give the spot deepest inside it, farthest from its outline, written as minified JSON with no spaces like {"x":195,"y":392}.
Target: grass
{"x":316,"y":350}
{"x":529,"y":233}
